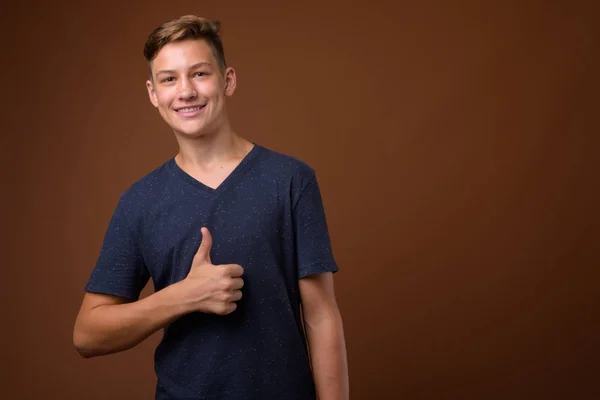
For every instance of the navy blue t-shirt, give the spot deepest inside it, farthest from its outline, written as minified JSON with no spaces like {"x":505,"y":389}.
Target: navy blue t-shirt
{"x":268,"y":217}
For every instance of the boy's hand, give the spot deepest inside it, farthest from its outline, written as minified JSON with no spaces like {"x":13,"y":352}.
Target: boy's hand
{"x":212,"y":288}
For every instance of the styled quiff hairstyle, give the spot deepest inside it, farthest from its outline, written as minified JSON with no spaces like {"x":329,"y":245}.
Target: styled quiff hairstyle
{"x":187,"y":27}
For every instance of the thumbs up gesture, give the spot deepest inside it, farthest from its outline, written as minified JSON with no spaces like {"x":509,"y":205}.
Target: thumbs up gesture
{"x":212,"y":288}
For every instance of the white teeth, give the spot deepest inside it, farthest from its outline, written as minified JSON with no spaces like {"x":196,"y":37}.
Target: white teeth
{"x":189,"y":109}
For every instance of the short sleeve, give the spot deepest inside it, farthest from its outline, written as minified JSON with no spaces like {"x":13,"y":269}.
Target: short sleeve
{"x":119,"y":270}
{"x":313,"y":244}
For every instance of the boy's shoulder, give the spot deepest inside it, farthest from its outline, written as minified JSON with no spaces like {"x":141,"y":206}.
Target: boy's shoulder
{"x":284,"y":164}
{"x":149,"y":185}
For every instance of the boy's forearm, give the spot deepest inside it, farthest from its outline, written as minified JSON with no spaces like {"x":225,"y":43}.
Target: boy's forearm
{"x":113,"y":328}
{"x":328,"y":358}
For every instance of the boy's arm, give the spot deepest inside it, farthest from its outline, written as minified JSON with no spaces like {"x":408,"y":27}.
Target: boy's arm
{"x":108,"y":324}
{"x":325,"y":334}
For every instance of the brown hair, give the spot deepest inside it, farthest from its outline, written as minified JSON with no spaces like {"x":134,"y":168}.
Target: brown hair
{"x":185,"y":28}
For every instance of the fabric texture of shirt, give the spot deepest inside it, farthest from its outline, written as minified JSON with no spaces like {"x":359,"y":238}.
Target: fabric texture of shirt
{"x":268,"y":217}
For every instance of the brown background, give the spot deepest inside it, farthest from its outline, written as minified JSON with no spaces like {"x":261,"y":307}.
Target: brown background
{"x":456,"y":145}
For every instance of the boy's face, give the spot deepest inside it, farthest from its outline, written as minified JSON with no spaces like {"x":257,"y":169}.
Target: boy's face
{"x":189,"y":88}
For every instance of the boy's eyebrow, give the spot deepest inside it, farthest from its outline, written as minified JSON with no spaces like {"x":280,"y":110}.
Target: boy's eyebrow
{"x":197,"y":65}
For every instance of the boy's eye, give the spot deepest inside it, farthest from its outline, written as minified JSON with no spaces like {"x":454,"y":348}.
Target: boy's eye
{"x":168,"y":79}
{"x":200,"y":73}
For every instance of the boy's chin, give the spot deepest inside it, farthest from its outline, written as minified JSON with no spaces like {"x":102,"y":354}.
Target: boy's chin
{"x":191,"y":133}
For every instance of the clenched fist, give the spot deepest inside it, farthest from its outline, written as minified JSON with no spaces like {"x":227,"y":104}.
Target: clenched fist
{"x":212,"y":288}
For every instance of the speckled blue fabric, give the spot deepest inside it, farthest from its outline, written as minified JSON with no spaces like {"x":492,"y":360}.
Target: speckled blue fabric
{"x":268,"y":217}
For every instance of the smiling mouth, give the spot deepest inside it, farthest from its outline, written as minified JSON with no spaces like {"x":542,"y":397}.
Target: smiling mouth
{"x":189,"y":109}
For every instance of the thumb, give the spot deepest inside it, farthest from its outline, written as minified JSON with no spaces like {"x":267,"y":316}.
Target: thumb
{"x":203,"y":253}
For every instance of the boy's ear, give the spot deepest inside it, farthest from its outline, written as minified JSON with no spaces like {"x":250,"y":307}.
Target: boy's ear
{"x":151,"y":93}
{"x":230,"y":81}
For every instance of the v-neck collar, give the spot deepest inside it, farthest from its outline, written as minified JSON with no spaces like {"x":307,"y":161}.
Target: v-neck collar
{"x":241,"y":167}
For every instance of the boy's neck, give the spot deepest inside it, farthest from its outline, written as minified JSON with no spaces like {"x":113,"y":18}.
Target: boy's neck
{"x":206,"y":151}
